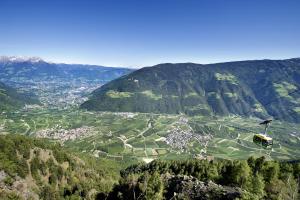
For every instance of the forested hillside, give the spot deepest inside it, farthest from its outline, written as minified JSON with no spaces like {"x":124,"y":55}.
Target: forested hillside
{"x":200,"y":179}
{"x":10,"y":99}
{"x":259,"y":88}
{"x":37,"y":169}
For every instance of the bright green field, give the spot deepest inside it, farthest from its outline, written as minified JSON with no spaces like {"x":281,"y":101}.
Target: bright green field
{"x":141,"y":136}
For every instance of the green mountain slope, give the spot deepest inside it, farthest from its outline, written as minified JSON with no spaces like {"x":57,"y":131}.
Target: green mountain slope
{"x":260,"y":88}
{"x":10,"y":99}
{"x":37,"y":169}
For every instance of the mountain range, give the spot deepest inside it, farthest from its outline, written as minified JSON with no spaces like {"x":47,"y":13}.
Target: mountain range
{"x":56,"y":85}
{"x":35,"y":67}
{"x":260,"y":88}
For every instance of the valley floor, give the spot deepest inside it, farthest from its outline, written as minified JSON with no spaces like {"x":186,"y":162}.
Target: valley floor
{"x":132,"y":137}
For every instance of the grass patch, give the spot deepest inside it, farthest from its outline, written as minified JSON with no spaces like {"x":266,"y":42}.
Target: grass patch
{"x":192,"y":94}
{"x":297,"y":109}
{"x":231,"y":95}
{"x":198,"y":107}
{"x":116,"y":95}
{"x":284,"y":88}
{"x":214,"y":95}
{"x":227,"y":77}
{"x":151,"y":95}
{"x":258,"y":108}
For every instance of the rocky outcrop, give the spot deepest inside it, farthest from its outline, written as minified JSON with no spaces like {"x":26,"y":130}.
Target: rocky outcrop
{"x":188,"y":187}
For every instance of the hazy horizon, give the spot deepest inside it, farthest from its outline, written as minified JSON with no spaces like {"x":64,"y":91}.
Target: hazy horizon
{"x":139,"y":67}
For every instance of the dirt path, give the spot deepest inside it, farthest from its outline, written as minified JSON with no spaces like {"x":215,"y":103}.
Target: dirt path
{"x":27,"y":125}
{"x":34,"y":125}
{"x":141,"y":134}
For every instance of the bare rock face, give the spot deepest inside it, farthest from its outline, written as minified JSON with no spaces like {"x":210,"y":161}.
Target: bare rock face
{"x":2,"y":175}
{"x":188,"y":187}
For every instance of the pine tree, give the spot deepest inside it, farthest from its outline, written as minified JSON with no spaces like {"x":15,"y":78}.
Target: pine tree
{"x":154,"y":189}
{"x":257,"y":186}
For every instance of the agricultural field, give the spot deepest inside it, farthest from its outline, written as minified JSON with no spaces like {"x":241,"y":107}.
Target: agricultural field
{"x":136,"y":137}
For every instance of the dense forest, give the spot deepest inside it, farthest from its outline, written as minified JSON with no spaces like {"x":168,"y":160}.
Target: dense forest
{"x":248,"y":88}
{"x":38,"y":169}
{"x":201,"y":179}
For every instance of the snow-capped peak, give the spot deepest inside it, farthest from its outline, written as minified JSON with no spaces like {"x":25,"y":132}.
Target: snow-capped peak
{"x":20,"y":59}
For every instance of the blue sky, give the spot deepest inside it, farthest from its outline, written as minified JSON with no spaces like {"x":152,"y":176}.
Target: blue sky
{"x":139,"y":33}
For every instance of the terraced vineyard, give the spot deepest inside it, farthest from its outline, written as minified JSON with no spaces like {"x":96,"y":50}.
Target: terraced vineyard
{"x":143,"y":137}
